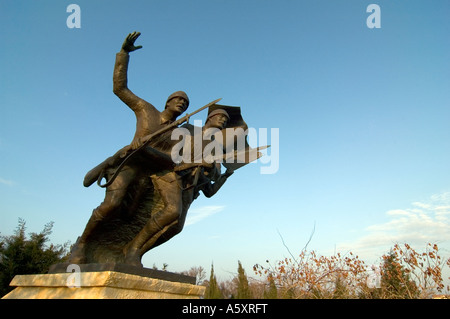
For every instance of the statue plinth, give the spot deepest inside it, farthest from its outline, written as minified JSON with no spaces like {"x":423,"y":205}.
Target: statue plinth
{"x":104,"y":284}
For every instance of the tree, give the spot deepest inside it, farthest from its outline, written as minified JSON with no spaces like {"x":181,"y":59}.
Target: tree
{"x":164,"y":267}
{"x":395,"y":280}
{"x":243,"y":291}
{"x":197,"y":272}
{"x":340,"y":288}
{"x":22,"y":255}
{"x":425,"y":268}
{"x":213,"y":290}
{"x":272,"y":292}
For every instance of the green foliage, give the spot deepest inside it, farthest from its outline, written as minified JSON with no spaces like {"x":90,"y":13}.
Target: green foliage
{"x":272,"y":292}
{"x":341,"y":290}
{"x":395,"y":281}
{"x":243,"y":291}
{"x":212,"y":290}
{"x":21,"y":255}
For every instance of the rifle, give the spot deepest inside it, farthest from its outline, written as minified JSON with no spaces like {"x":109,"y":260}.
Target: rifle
{"x":147,"y":139}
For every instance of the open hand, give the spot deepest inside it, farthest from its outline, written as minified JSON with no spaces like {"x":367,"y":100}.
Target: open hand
{"x":128,"y":44}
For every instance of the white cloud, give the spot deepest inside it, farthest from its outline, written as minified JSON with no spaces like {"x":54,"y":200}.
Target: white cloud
{"x":442,"y":197}
{"x":6,"y":182}
{"x":398,"y":212}
{"x":417,"y":225}
{"x":197,"y":214}
{"x":421,"y":205}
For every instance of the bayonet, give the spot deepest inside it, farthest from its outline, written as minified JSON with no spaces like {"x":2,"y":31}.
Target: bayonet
{"x":147,"y":140}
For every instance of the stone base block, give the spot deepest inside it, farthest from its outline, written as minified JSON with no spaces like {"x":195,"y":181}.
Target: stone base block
{"x":99,"y":285}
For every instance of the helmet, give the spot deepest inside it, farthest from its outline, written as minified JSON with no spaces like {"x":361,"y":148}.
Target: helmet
{"x":178,"y":94}
{"x":217,"y":112}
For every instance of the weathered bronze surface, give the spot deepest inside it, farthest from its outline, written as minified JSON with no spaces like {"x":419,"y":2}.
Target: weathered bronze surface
{"x":147,"y":194}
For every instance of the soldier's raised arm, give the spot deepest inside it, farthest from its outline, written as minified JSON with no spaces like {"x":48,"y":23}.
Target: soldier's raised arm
{"x":120,"y":79}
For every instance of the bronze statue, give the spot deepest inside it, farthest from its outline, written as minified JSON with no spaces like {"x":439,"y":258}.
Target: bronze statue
{"x":147,"y":194}
{"x":183,"y":185}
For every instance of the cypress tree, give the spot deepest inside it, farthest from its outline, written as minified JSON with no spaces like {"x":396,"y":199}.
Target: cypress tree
{"x":213,"y":291}
{"x":243,"y":290}
{"x":272,"y":293}
{"x":395,"y":281}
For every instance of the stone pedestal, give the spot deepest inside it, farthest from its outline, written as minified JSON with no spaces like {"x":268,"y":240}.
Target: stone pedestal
{"x":100,"y":285}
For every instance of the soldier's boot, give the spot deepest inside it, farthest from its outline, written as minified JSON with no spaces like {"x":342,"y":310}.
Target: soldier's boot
{"x":134,"y":250}
{"x":78,"y":255}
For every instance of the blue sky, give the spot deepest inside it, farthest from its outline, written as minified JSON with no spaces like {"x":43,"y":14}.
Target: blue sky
{"x":362,"y":114}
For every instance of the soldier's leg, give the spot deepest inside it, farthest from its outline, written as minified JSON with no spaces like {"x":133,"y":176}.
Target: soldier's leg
{"x":173,"y":229}
{"x":113,"y":198}
{"x":171,"y":195}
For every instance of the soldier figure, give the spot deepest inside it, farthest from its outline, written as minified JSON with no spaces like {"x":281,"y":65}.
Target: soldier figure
{"x":179,"y":188}
{"x":149,"y":120}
